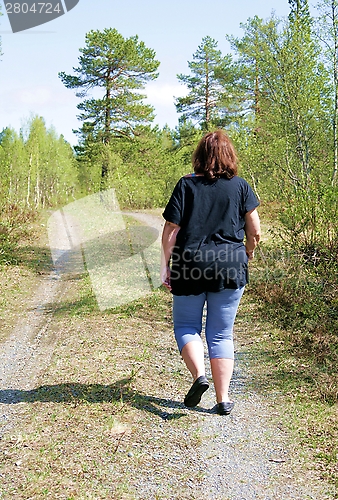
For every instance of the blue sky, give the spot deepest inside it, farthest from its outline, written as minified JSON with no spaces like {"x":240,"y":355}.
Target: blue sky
{"x":31,"y":59}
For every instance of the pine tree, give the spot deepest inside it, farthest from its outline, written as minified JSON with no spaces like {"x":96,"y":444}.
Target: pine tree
{"x":254,"y":67}
{"x":120,"y":68}
{"x":299,"y":11}
{"x":307,"y":104}
{"x":206,"y":101}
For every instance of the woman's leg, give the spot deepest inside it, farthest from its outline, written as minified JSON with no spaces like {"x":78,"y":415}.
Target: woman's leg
{"x":187,"y":318}
{"x":221,"y":314}
{"x":221,"y":369}
{"x":193,"y":356}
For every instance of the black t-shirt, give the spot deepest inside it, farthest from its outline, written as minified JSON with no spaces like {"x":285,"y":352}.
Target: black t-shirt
{"x":209,"y":254}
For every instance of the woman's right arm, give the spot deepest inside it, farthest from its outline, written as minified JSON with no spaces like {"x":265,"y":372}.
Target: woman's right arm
{"x":252,"y":230}
{"x":169,"y":235}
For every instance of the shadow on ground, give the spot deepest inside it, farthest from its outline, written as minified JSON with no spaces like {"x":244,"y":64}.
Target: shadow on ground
{"x":34,"y":258}
{"x":119,"y":391}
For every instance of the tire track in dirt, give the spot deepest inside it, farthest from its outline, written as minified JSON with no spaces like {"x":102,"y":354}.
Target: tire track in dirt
{"x":28,"y":350}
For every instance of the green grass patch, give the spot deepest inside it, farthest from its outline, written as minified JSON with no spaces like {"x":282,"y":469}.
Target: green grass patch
{"x":24,"y":258}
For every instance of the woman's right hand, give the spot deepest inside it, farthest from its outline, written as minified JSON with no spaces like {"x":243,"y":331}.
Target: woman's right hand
{"x":250,"y":254}
{"x":165,"y":277}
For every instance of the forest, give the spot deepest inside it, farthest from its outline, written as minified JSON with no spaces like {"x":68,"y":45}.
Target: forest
{"x":276,"y":94}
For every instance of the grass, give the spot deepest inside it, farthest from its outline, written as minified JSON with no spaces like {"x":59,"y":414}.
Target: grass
{"x":106,"y":418}
{"x":293,"y":344}
{"x":300,"y":297}
{"x":100,"y":422}
{"x":23,"y":260}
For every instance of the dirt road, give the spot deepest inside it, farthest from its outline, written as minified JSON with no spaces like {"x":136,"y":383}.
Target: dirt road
{"x":247,"y":455}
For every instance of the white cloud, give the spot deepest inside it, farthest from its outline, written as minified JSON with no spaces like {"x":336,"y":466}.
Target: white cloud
{"x":38,"y":95}
{"x":164,"y":94}
{"x":56,"y":104}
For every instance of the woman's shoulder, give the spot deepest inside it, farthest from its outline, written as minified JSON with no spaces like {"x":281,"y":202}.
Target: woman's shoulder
{"x":234,"y":181}
{"x":239,"y":181}
{"x":192,"y":175}
{"x":192,"y":179}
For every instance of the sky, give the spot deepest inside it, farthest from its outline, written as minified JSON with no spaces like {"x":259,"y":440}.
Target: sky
{"x":32,"y":59}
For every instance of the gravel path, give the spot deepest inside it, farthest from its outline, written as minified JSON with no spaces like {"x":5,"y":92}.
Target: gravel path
{"x":248,"y":453}
{"x":244,"y":456}
{"x":27,"y":352}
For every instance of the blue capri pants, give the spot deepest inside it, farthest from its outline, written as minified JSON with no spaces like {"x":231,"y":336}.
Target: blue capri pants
{"x":221,"y":313}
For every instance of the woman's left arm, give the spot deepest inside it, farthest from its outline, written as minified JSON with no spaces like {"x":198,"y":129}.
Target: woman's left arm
{"x":252,"y":231}
{"x":169,"y":236}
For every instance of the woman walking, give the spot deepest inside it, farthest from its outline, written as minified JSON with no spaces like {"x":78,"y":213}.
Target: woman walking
{"x":206,"y":261}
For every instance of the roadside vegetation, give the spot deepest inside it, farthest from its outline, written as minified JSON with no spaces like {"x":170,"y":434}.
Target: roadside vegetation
{"x":277,"y":96}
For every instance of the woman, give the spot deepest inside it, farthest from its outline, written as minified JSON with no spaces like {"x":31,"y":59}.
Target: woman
{"x":206,"y":218}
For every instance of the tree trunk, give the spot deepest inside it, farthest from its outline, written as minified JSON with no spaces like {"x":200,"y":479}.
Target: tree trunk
{"x":10,"y":188}
{"x":29,"y":180}
{"x":335,"y":138}
{"x":107,"y":125}
{"x":256,"y":89}
{"x":37,"y":190}
{"x":303,"y":147}
{"x":207,"y":93}
{"x":335,"y":79}
{"x":257,"y":104}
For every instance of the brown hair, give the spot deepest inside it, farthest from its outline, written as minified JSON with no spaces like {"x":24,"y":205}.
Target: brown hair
{"x":215,"y":156}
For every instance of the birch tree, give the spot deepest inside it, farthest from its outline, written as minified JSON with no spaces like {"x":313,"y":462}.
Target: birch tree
{"x":328,"y":34}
